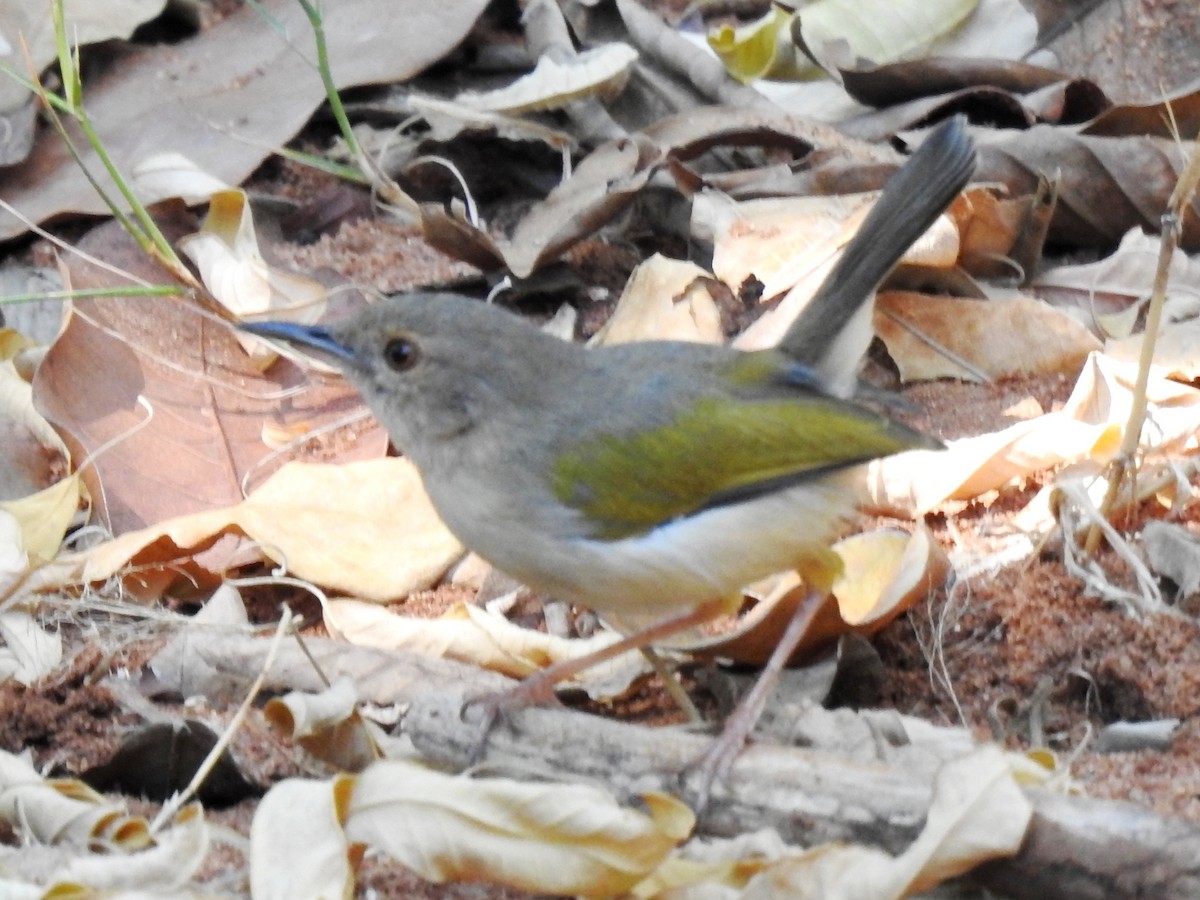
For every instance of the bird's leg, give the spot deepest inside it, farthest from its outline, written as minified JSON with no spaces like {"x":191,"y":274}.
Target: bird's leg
{"x":538,"y":689}
{"x":719,"y":757}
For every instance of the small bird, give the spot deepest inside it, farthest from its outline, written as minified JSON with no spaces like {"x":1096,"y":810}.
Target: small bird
{"x":648,"y":481}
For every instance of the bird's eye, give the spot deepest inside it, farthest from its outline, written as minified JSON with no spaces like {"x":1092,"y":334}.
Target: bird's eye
{"x":401,"y":353}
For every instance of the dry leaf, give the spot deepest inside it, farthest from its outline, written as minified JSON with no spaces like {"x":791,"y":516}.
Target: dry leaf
{"x":483,"y":638}
{"x":1096,"y":292}
{"x":364,"y":528}
{"x":544,"y":838}
{"x":208,"y":94}
{"x":172,"y":175}
{"x":885,"y":573}
{"x":995,"y":338}
{"x":225,"y":251}
{"x":1088,"y":427}
{"x":169,"y":394}
{"x":45,"y":516}
{"x":664,"y":299}
{"x":978,"y":813}
{"x":553,"y":84}
{"x":27,"y":23}
{"x":64,"y":810}
{"x":168,"y":865}
{"x":879,"y":30}
{"x":29,"y":652}
{"x":297,"y":844}
{"x":327,"y":725}
{"x":13,"y":560}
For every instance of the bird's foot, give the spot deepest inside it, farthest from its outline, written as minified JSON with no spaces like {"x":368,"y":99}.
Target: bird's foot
{"x":698,"y":777}
{"x":534,"y":690}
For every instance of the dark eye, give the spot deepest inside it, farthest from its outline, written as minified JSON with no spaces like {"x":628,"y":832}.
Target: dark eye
{"x":401,"y":353}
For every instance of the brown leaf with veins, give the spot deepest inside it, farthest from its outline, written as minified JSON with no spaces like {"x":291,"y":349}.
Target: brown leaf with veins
{"x":203,"y":436}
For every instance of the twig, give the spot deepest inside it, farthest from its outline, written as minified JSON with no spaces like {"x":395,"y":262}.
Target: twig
{"x":1124,"y":465}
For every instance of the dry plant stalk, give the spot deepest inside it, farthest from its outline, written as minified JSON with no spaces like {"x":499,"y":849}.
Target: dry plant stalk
{"x":1124,"y":465}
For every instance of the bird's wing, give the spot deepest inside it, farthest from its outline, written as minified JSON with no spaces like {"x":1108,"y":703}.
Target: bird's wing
{"x":722,"y":450}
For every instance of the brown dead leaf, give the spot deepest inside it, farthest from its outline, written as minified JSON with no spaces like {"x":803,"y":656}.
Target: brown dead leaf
{"x":198,"y":436}
{"x":930,"y":337}
{"x":1106,"y":185}
{"x":225,"y":97}
{"x":603,"y":185}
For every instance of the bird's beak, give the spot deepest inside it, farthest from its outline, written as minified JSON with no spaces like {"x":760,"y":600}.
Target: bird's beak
{"x":314,"y":337}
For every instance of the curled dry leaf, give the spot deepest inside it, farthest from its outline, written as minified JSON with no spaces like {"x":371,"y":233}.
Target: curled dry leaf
{"x":1106,"y":185}
{"x":225,"y":251}
{"x":1099,"y":293}
{"x":45,"y":516}
{"x":978,"y":813}
{"x":885,"y":573}
{"x":64,"y":810}
{"x":327,"y":725}
{"x":166,"y":867}
{"x":545,"y":838}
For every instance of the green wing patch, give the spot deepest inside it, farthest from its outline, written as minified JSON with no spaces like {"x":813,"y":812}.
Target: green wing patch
{"x":719,"y":451}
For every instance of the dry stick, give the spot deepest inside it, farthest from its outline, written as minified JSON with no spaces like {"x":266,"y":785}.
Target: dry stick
{"x":1124,"y":465}
{"x":174,"y":804}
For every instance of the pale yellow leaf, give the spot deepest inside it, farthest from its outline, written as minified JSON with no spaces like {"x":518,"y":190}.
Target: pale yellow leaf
{"x":366,"y":528}
{"x":553,"y":84}
{"x":664,"y":299}
{"x":1088,"y":427}
{"x":172,"y":174}
{"x":545,"y":838}
{"x":791,"y":246}
{"x":885,"y":572}
{"x":45,"y":516}
{"x":469,"y":634}
{"x":297,"y":844}
{"x":978,"y":813}
{"x":225,"y":250}
{"x":881,"y":31}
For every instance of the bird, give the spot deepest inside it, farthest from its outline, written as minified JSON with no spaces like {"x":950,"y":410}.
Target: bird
{"x":647,"y":481}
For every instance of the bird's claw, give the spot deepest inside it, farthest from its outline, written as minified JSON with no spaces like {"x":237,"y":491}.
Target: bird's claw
{"x":496,"y":705}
